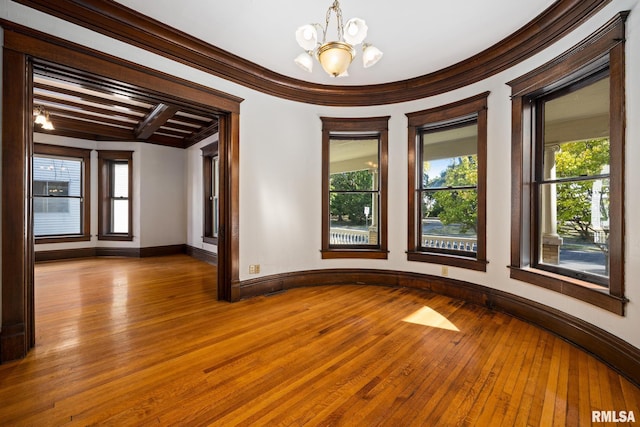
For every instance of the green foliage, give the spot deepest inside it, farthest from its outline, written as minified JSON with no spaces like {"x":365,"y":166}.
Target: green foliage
{"x":580,"y":158}
{"x":456,"y":206}
{"x":350,"y":205}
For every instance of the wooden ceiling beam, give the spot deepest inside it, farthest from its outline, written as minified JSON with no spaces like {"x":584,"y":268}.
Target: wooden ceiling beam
{"x":91,"y":129}
{"x":61,"y":112}
{"x":87,"y":97}
{"x":59,"y":103}
{"x":156,"y":118}
{"x":204,"y":133}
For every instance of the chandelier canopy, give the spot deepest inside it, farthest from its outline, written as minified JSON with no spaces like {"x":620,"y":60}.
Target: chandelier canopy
{"x":335,"y":56}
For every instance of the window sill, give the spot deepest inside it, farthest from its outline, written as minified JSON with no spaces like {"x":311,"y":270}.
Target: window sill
{"x":62,"y":239}
{"x":210,"y":240}
{"x":116,"y":237}
{"x":354,"y":253}
{"x":585,"y":291}
{"x":452,"y":260}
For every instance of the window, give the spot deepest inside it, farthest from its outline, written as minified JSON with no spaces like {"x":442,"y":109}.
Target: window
{"x":568,"y":172}
{"x":354,"y":201}
{"x":61,"y":212}
{"x":447,"y":170}
{"x":211,"y":186}
{"x":115,"y":190}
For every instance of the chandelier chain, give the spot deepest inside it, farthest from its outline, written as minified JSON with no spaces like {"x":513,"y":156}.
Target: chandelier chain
{"x":336,"y":8}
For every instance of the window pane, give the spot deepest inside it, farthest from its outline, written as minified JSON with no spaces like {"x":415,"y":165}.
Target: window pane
{"x":576,"y":136}
{"x":449,"y":220}
{"x":120,"y":179}
{"x":353,"y":221}
{"x":449,"y":157}
{"x":353,"y":164}
{"x":215,"y":217}
{"x":215,"y":188}
{"x":54,"y":180}
{"x":56,"y":216}
{"x":120,"y":216}
{"x":57,"y":177}
{"x":574,"y":226}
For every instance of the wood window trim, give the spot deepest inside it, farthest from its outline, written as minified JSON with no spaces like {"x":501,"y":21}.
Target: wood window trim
{"x":363,"y":125}
{"x":105,"y":159}
{"x":603,"y":48}
{"x":85,"y":155}
{"x":208,"y":153}
{"x":473,"y":105}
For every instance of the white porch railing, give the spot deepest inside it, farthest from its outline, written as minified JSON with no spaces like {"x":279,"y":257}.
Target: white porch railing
{"x":449,"y":242}
{"x":348,"y":236}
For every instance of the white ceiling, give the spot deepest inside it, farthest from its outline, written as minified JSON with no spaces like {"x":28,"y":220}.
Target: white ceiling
{"x":417,"y":37}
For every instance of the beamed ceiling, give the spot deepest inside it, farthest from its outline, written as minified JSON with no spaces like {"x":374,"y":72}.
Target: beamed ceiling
{"x":87,"y":106}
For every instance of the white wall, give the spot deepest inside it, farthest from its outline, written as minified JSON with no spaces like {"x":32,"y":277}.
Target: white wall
{"x":280,"y":166}
{"x":163,"y":198}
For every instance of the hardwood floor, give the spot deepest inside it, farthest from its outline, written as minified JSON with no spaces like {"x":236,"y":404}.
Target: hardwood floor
{"x":144,"y":342}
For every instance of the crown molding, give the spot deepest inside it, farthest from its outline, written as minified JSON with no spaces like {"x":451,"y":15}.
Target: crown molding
{"x":115,"y":20}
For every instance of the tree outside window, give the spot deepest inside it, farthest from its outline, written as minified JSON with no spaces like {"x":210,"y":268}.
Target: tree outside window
{"x":568,"y":115}
{"x":354,"y":200}
{"x":447,"y":170}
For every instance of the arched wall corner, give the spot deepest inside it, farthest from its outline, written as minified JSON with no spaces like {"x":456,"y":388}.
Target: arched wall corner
{"x":613,"y":351}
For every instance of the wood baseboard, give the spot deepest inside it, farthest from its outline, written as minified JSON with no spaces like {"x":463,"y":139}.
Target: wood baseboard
{"x":13,"y":342}
{"x":202,"y":255}
{"x":613,"y":351}
{"x":60,"y":254}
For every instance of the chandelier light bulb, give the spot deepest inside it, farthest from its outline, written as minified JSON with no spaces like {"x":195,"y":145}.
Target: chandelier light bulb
{"x":356,"y":31}
{"x":307,"y":37}
{"x":370,"y":55}
{"x":352,"y":29}
{"x":305,"y":61}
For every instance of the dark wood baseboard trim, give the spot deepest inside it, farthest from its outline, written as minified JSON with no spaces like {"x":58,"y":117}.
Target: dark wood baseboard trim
{"x":202,"y":255}
{"x":163,"y":250}
{"x":60,"y":254}
{"x":613,"y":351}
{"x":13,"y":343}
{"x":43,"y":256}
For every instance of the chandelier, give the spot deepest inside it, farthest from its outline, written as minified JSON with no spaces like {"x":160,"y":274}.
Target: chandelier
{"x":335,"y":56}
{"x":41,"y":117}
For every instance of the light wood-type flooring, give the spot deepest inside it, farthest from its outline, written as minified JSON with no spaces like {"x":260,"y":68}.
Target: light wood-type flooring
{"x":144,"y":342}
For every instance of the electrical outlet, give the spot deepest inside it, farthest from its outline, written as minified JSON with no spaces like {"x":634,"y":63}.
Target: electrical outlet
{"x":445,"y":270}
{"x":254,"y":269}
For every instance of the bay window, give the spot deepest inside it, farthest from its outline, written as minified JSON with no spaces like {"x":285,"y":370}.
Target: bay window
{"x":568,"y":172}
{"x":354,"y":181}
{"x":447,"y":169}
{"x":61,"y":209}
{"x":114,"y":191}
{"x":211,"y":187}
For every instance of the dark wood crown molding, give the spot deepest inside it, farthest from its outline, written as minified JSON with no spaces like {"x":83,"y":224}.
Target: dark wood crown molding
{"x":129,"y":26}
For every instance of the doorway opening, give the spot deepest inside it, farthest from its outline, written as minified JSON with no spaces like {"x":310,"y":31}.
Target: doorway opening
{"x":40,"y":70}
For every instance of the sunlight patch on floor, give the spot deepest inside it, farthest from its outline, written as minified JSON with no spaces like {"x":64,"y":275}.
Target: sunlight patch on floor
{"x":429,"y":317}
